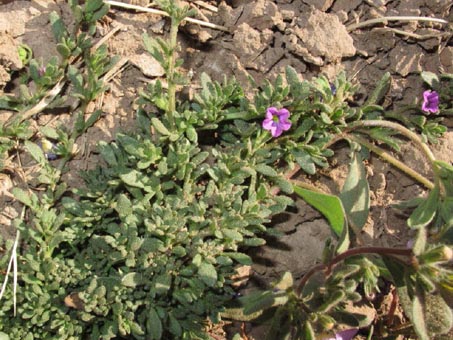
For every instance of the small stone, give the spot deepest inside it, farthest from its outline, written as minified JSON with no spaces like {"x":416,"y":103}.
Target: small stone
{"x":446,"y":59}
{"x":149,"y":66}
{"x":322,"y":5}
{"x":406,"y":59}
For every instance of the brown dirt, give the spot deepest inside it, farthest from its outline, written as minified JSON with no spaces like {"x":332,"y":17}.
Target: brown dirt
{"x":315,"y":37}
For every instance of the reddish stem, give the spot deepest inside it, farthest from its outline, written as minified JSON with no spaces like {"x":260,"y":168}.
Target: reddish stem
{"x":352,"y":252}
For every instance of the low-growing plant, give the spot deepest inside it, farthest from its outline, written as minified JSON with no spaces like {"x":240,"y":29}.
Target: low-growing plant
{"x":148,"y":248}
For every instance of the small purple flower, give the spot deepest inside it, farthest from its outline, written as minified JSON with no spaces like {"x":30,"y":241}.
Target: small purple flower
{"x":347,"y":334}
{"x":333,"y":89}
{"x":430,"y":101}
{"x":276,"y":121}
{"x":42,"y":71}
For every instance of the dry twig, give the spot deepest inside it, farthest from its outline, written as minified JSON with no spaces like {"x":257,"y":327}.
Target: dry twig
{"x":165,"y":14}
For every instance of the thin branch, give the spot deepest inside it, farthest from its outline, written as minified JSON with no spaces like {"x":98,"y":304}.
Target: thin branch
{"x":384,"y":20}
{"x":352,"y":252}
{"x":165,"y":14}
{"x":392,"y":160}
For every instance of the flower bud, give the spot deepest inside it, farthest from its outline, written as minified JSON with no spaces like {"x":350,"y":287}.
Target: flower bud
{"x":327,"y":322}
{"x":439,"y":254}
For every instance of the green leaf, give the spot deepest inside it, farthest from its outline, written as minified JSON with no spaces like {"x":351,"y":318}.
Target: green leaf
{"x":328,"y":205}
{"x":305,"y":161}
{"x":23,"y":197}
{"x":355,"y":194}
{"x":208,"y":274}
{"x":438,"y":315}
{"x":431,"y":79}
{"x":92,"y":119}
{"x":240,"y":258}
{"x":381,"y":90}
{"x":93,"y":5}
{"x":131,"y":280}
{"x":153,"y":324}
{"x":309,"y":333}
{"x":418,"y":318}
{"x":133,"y":178}
{"x":266,"y":170}
{"x":4,"y":336}
{"x":260,"y":301}
{"x":159,"y":126}
{"x":123,"y":205}
{"x":285,"y":185}
{"x":36,"y":152}
{"x":425,"y":212}
{"x":163,"y":283}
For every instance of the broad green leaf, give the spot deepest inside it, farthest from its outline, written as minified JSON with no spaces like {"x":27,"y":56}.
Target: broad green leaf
{"x":133,"y":178}
{"x":36,"y":152}
{"x":123,"y":205}
{"x":305,"y":161}
{"x":328,"y":205}
{"x":153,"y":325}
{"x":425,"y":212}
{"x":285,"y":282}
{"x":49,"y":132}
{"x":430,"y":78}
{"x":4,"y":336}
{"x":438,"y":315}
{"x":355,"y":194}
{"x":131,"y":280}
{"x":93,"y":5}
{"x":208,"y":274}
{"x":163,"y":283}
{"x":23,"y":197}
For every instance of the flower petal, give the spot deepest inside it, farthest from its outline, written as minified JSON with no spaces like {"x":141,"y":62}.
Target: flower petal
{"x":347,"y":334}
{"x":272,"y":110}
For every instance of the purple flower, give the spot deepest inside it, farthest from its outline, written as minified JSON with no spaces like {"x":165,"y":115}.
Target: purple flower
{"x":430,"y":101}
{"x":276,"y":121}
{"x":347,"y":334}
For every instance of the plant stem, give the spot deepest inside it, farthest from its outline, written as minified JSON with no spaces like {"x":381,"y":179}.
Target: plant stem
{"x":393,"y":18}
{"x":352,"y":252}
{"x":392,"y":160}
{"x":403,"y":131}
{"x":171,"y":71}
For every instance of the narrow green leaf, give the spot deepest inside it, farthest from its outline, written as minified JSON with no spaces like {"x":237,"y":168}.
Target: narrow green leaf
{"x":266,"y":170}
{"x":239,"y":257}
{"x":425,"y":212}
{"x":381,"y":90}
{"x":355,"y":194}
{"x":309,"y":333}
{"x":92,"y":119}
{"x":418,"y":318}
{"x":328,"y":205}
